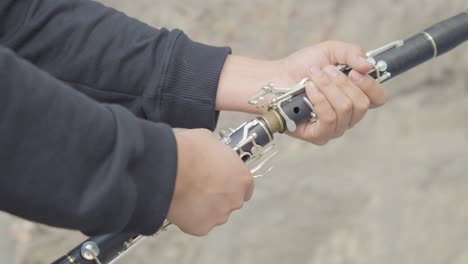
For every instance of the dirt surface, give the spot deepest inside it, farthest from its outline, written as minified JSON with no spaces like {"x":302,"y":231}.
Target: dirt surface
{"x":392,"y":190}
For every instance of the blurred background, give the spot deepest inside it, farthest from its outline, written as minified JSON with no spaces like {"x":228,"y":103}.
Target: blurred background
{"x":392,"y":190}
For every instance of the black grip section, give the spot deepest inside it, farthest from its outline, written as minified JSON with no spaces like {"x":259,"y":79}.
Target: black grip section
{"x":449,"y":33}
{"x":298,"y":110}
{"x":109,"y":246}
{"x":263,"y":132}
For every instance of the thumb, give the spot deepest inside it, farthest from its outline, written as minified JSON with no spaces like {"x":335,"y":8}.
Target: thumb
{"x":346,"y":53}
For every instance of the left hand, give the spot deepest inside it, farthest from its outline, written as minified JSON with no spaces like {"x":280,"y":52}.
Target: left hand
{"x":340,"y":101}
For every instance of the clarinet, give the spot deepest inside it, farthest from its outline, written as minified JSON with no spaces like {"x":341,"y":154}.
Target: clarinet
{"x":284,"y":108}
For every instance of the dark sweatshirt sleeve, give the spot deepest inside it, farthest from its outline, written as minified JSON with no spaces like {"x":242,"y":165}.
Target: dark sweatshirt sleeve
{"x":69,"y":161}
{"x":159,"y":75}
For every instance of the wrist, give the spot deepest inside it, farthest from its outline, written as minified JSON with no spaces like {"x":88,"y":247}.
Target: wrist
{"x":241,"y":79}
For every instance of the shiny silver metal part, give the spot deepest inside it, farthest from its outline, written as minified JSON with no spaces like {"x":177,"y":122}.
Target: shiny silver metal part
{"x":255,"y":157}
{"x":380,"y":67}
{"x":277,"y":94}
{"x":389,"y":46}
{"x":137,"y":240}
{"x":313,"y":114}
{"x":90,"y":251}
{"x":279,"y":97}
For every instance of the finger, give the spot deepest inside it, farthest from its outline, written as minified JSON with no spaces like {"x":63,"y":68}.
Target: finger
{"x":346,"y":53}
{"x":374,"y":91}
{"x":360,"y":101}
{"x":247,"y":184}
{"x":323,"y":130}
{"x":338,"y":100}
{"x":249,"y":190}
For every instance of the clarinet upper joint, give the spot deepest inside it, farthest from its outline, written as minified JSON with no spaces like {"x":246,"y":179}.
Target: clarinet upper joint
{"x":379,"y":70}
{"x":380,"y":67}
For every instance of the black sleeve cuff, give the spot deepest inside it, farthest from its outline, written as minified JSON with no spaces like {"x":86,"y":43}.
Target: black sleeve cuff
{"x":188,"y":95}
{"x":154,"y":178}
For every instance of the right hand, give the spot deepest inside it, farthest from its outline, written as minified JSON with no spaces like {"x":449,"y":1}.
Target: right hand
{"x":211,"y":182}
{"x":340,"y":101}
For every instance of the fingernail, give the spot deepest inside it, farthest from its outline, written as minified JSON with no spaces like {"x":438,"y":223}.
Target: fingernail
{"x":331,"y":71}
{"x":363,"y":61}
{"x":356,"y":76}
{"x":316,"y":71}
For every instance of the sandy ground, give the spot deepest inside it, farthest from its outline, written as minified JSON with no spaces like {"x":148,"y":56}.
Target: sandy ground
{"x":392,"y":190}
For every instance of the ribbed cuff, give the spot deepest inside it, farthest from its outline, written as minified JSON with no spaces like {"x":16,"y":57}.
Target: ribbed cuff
{"x":188,"y":95}
{"x":156,"y":173}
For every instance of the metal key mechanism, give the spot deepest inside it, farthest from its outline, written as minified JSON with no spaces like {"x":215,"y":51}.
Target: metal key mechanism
{"x":253,"y":141}
{"x":380,"y":67}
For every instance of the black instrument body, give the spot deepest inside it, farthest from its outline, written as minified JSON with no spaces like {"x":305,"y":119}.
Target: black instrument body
{"x":446,"y":35}
{"x":110,"y":246}
{"x":432,"y":42}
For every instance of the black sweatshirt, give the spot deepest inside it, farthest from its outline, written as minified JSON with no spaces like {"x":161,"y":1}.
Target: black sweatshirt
{"x":88,"y":97}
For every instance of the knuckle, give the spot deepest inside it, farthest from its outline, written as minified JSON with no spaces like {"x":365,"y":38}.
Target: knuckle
{"x":222,"y":220}
{"x":335,"y":77}
{"x":320,"y":102}
{"x":328,"y":118}
{"x":320,"y":82}
{"x":238,"y":205}
{"x":334,"y":42}
{"x":200,"y":232}
{"x":341,"y":80}
{"x":355,"y":50}
{"x":363,"y":105}
{"x":320,"y":141}
{"x":359,"y":50}
{"x":328,"y":43}
{"x":346,"y":106}
{"x":340,"y":133}
{"x":383,"y":100}
{"x":248,"y":192}
{"x":248,"y":180}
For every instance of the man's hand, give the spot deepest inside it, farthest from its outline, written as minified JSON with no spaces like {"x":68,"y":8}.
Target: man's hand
{"x":212,"y":181}
{"x":340,"y":101}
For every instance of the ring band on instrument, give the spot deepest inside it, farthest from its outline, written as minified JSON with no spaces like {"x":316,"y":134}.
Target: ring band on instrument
{"x":431,"y":40}
{"x":267,"y":122}
{"x":266,"y":130}
{"x":280,"y":120}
